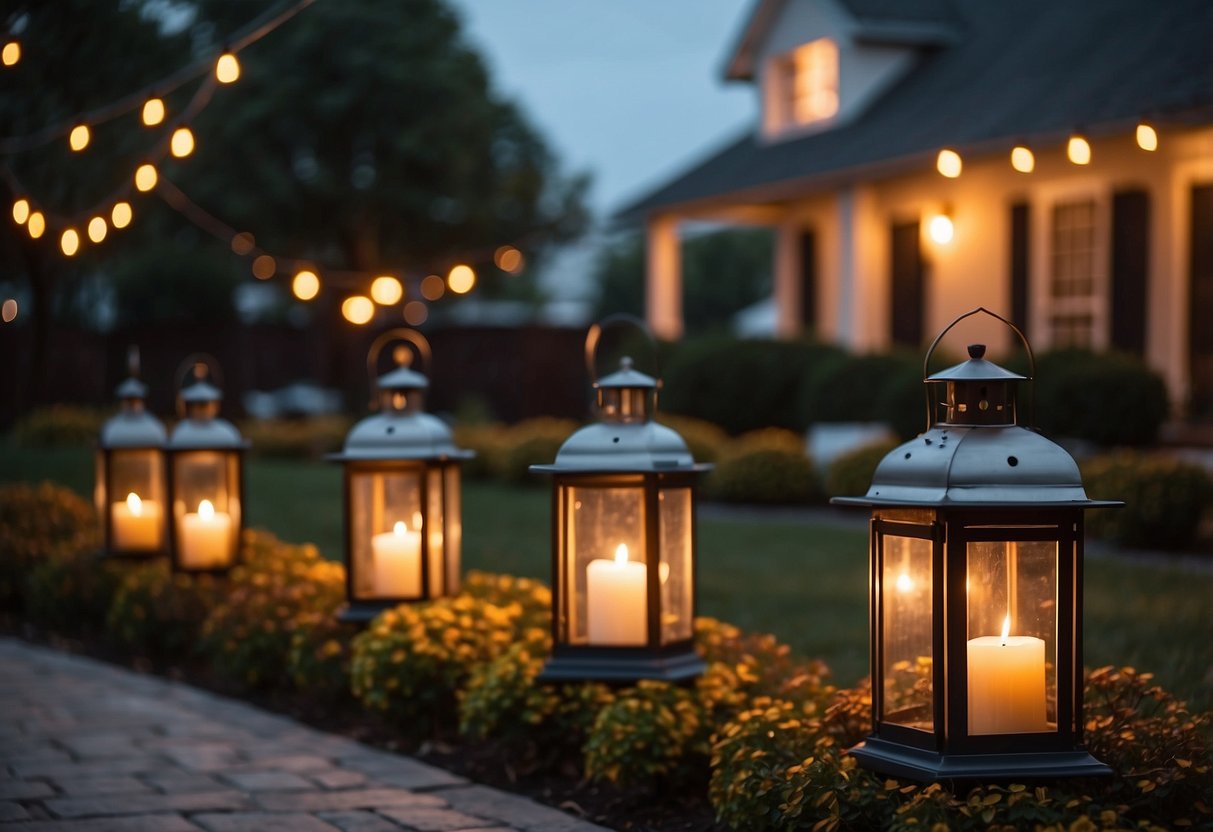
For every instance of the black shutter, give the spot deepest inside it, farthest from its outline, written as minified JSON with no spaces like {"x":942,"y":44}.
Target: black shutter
{"x":1130,"y":269}
{"x":905,"y":314}
{"x":808,"y":280}
{"x":1019,"y":266}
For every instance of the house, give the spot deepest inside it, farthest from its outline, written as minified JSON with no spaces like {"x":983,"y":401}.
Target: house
{"x":1049,"y":159}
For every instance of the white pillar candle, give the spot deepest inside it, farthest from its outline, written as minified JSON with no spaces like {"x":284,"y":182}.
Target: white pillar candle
{"x":396,"y":562}
{"x":206,"y":538}
{"x":1007,"y":684}
{"x":136,"y":523}
{"x":616,"y":600}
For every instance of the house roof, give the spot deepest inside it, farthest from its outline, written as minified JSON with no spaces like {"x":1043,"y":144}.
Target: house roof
{"x":1023,"y":70}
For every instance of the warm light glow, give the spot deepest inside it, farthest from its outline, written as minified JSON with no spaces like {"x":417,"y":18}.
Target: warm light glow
{"x":153,"y":111}
{"x":78,"y":138}
{"x":814,"y":92}
{"x":120,"y":217}
{"x":415,"y":313}
{"x":461,"y":279}
{"x":69,"y":241}
{"x":432,"y":287}
{"x":508,"y":259}
{"x":1079,"y":150}
{"x":417,"y":520}
{"x":1147,"y":137}
{"x":1006,"y":629}
{"x":399,"y":529}
{"x":97,"y":229}
{"x":146,"y":177}
{"x":243,"y":243}
{"x":21,"y":211}
{"x":264,"y":267}
{"x":1022,"y":159}
{"x":36,"y":224}
{"x":621,"y":553}
{"x":306,"y":285}
{"x":134,"y":504}
{"x":941,"y":229}
{"x":8,"y":311}
{"x":386,"y":290}
{"x":227,"y":68}
{"x":358,"y":309}
{"x":182,"y":143}
{"x":948,"y":163}
{"x":904,"y":584}
{"x":11,"y":53}
{"x":206,"y":510}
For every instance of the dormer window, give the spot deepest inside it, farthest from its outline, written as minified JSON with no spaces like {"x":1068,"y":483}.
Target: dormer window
{"x":802,"y":86}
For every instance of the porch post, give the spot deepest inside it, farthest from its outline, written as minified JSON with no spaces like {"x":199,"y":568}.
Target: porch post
{"x":789,"y":282}
{"x":663,"y":277}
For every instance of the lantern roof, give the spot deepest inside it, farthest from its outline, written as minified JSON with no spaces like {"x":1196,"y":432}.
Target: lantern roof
{"x":618,"y":447}
{"x":627,"y":376}
{"x":201,"y":391}
{"x":977,"y":368}
{"x":400,"y":435}
{"x":211,"y":433}
{"x":132,"y":429}
{"x":403,"y":378}
{"x":132,"y":388}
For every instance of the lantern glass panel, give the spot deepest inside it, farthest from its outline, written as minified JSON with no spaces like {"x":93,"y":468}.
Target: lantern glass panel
{"x":136,"y":500}
{"x":906,"y":652}
{"x":1012,"y":636}
{"x":452,"y":529}
{"x":675,"y":565}
{"x":433,"y":529}
{"x":206,"y":508}
{"x":385,"y":533}
{"x":604,"y":550}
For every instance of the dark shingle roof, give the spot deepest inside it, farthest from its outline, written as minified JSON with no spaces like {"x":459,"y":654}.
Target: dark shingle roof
{"x":1023,"y":69}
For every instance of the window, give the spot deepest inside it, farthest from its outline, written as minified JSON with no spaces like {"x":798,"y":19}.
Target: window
{"x":1073,"y":278}
{"x":803,"y":87}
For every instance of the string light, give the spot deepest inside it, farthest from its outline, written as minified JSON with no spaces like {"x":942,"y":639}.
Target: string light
{"x":386,"y":290}
{"x":153,"y":111}
{"x":79,"y":137}
{"x":146,"y":177}
{"x":1147,"y":137}
{"x":227,"y":68}
{"x":358,"y":309}
{"x":36,"y":224}
{"x":21,"y":211}
{"x":306,"y":285}
{"x":508,"y":259}
{"x":8,"y":312}
{"x":69,"y":242}
{"x":1078,"y":150}
{"x":461,"y":279}
{"x":415,"y":313}
{"x":243,"y":243}
{"x":97,"y":229}
{"x":1022,"y":159}
{"x":432,"y":287}
{"x":941,"y":229}
{"x":121,"y":216}
{"x":264,"y":267}
{"x":182,"y":143}
{"x":948,"y":163}
{"x":11,"y":53}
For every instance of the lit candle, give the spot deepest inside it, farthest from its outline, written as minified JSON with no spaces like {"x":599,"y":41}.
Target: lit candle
{"x":616,"y":600}
{"x":206,"y":538}
{"x":396,"y":562}
{"x":1006,"y":684}
{"x":136,"y":523}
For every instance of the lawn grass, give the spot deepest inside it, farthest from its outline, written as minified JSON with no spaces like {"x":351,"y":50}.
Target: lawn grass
{"x":806,"y":583}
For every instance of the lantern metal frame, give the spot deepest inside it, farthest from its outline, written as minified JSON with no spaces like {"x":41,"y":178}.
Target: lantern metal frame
{"x":626,"y":450}
{"x":402,"y":439}
{"x":201,"y":431}
{"x":977,"y":477}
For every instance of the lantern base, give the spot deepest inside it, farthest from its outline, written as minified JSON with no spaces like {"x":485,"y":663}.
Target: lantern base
{"x":929,"y":766}
{"x":620,"y":665}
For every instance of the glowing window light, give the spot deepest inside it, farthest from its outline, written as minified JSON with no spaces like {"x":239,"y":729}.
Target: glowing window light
{"x":1022,"y":159}
{"x":121,"y":216}
{"x":461,"y":279}
{"x":11,"y":53}
{"x":948,"y":163}
{"x":264,"y":267}
{"x":508,"y":259}
{"x":146,"y":177}
{"x":358,"y":309}
{"x":386,"y":290}
{"x":97,"y":229}
{"x":1079,"y":150}
{"x":36,"y":224}
{"x":243,"y":243}
{"x":69,"y":242}
{"x":182,"y":143}
{"x":941,"y":229}
{"x":8,"y":312}
{"x":432,"y":287}
{"x":415,"y":313}
{"x":1147,"y":137}
{"x":79,"y":137}
{"x":21,"y":211}
{"x":153,"y":111}
{"x":227,"y":68}
{"x":306,"y":285}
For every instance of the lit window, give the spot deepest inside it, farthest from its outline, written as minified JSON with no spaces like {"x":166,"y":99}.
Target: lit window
{"x":803,"y":86}
{"x":1073,"y":279}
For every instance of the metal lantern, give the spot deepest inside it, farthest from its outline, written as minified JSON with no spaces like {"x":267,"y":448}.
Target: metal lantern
{"x":130,"y":492}
{"x":206,"y":478}
{"x":402,"y":497}
{"x":623,"y":540}
{"x":976,"y":590}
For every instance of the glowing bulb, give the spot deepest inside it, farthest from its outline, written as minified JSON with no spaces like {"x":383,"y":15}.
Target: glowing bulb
{"x":1022,"y":159}
{"x":120,"y":217}
{"x":69,"y":241}
{"x":206,"y":510}
{"x":78,"y":138}
{"x":415,"y":313}
{"x":36,"y":224}
{"x":358,"y":309}
{"x":508,"y":259}
{"x":1006,"y":629}
{"x":227,"y":68}
{"x":8,"y":311}
{"x":153,"y":111}
{"x":432,"y":287}
{"x":243,"y":243}
{"x":134,"y":504}
{"x":306,"y":285}
{"x":264,"y":267}
{"x":948,"y":163}
{"x":904,"y":584}
{"x":182,"y":143}
{"x":461,"y":279}
{"x":386,"y":290}
{"x":1147,"y":137}
{"x":941,"y":229}
{"x":146,"y":177}
{"x":399,"y":529}
{"x":97,"y":229}
{"x":1079,"y":150}
{"x":11,"y":53}
{"x":21,"y":211}
{"x":621,"y":553}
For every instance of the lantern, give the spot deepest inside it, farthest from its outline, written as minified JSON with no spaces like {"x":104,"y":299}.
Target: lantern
{"x":402,"y":497}
{"x":623,"y":540}
{"x":130,"y":489}
{"x":976,"y":590}
{"x":206,"y":478}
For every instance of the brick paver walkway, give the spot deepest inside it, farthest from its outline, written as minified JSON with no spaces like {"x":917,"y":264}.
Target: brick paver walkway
{"x":87,"y":747}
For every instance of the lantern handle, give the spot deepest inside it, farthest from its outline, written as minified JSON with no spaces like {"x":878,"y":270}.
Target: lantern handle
{"x":191,"y":365}
{"x":405,"y":334}
{"x":594,"y":337}
{"x":926,"y":362}
{"x":132,"y":361}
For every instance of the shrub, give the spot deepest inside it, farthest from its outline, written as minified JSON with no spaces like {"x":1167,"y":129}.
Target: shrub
{"x":851,"y":473}
{"x":704,"y":440}
{"x":863,"y":388}
{"x":654,"y":732}
{"x":319,"y":658}
{"x":533,"y":597}
{"x":70,"y":594}
{"x":1165,"y":499}
{"x":766,"y":466}
{"x":60,"y":425}
{"x":157,"y":613}
{"x":488,"y":441}
{"x":39,"y":523}
{"x":309,"y":438}
{"x":527,"y":443}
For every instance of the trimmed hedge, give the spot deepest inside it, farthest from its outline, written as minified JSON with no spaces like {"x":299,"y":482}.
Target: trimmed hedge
{"x":60,"y":425}
{"x":765,"y":466}
{"x":850,"y":475}
{"x":1165,"y":499}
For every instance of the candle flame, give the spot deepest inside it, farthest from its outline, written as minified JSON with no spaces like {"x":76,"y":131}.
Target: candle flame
{"x":206,"y":510}
{"x":1006,"y":629}
{"x":417,"y":520}
{"x":621,"y":554}
{"x":904,"y":584}
{"x":399,"y":529}
{"x":134,"y":504}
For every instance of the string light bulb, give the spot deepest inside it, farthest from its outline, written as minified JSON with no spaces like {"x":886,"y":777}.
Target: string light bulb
{"x":153,"y":111}
{"x":11,"y":53}
{"x":21,"y":211}
{"x":508,"y":259}
{"x":97,"y":229}
{"x":415,"y":313}
{"x":1147,"y":137}
{"x":79,"y":137}
{"x":182,"y":143}
{"x":227,"y":68}
{"x":243,"y":243}
{"x":941,"y":229}
{"x":306,"y":285}
{"x":146,"y":177}
{"x":948,"y":163}
{"x":8,"y":312}
{"x":69,"y":242}
{"x":1022,"y":159}
{"x":121,"y":216}
{"x":36,"y":224}
{"x":461,"y":279}
{"x":386,"y":290}
{"x":264,"y":267}
{"x":432,"y":287}
{"x":358,"y":309}
{"x":1078,"y":150}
